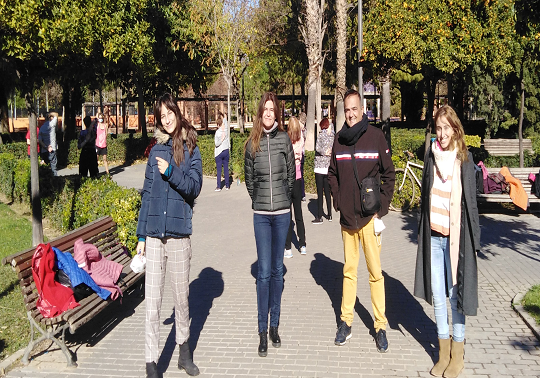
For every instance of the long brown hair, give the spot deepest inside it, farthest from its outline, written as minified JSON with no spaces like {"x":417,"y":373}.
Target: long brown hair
{"x":183,"y":133}
{"x":458,"y":139}
{"x":294,"y":130}
{"x":257,"y":130}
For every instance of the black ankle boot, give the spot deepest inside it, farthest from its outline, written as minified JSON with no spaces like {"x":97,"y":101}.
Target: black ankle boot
{"x":274,"y":336}
{"x":185,"y":361}
{"x":152,"y":370}
{"x":263,"y":344}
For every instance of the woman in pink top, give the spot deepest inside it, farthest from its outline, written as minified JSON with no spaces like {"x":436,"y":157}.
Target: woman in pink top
{"x":295,"y":134}
{"x":101,"y":139}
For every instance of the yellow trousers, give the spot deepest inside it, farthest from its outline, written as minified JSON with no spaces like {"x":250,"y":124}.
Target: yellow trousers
{"x":372,"y":252}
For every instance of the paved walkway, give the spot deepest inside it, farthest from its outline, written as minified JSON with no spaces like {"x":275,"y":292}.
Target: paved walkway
{"x":224,"y":313}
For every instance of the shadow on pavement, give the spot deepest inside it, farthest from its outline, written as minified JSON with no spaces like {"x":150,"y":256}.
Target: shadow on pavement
{"x":202,"y":292}
{"x":328,"y":273}
{"x":403,"y":309}
{"x":99,"y":327}
{"x":510,"y":233}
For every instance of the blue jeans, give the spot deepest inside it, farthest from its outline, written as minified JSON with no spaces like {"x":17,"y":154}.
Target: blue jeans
{"x":441,"y":279}
{"x":223,"y":160}
{"x":50,"y":157}
{"x":270,"y":234}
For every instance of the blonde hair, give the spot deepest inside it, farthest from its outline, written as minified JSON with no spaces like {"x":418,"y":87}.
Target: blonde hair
{"x":294,"y":130}
{"x":458,"y":138}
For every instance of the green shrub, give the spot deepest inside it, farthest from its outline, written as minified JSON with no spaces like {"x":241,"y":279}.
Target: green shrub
{"x":21,"y":180}
{"x":18,"y":149}
{"x":473,"y":140}
{"x":309,"y":173}
{"x":7,"y":160}
{"x":100,"y":197}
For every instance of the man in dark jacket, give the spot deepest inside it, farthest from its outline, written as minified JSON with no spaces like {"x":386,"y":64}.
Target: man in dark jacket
{"x":363,"y":145}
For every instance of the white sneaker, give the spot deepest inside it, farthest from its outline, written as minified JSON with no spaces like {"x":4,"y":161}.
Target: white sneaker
{"x":303,"y":250}
{"x":288,"y":254}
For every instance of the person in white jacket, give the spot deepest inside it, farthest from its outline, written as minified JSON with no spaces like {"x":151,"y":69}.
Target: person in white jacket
{"x":221,"y":152}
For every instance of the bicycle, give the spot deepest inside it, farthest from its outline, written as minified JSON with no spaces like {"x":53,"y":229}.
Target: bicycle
{"x":405,"y":189}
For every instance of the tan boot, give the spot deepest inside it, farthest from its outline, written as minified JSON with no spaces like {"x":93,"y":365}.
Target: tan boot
{"x":456,"y":360}
{"x":444,"y":358}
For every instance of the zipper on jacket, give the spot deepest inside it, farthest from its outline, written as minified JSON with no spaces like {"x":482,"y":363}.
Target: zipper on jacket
{"x":353,"y":158}
{"x":270,"y":167}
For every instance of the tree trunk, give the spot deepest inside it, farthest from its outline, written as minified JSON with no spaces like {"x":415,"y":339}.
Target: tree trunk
{"x":450,"y":89}
{"x":341,"y":60}
{"x":311,"y":103}
{"x":4,"y":118}
{"x":303,"y":106}
{"x":520,"y":125}
{"x":385,"y":109}
{"x":37,"y":226}
{"x":141,"y":111}
{"x":430,"y":85}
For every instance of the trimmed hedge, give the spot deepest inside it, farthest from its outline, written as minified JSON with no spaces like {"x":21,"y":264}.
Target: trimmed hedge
{"x":70,"y":202}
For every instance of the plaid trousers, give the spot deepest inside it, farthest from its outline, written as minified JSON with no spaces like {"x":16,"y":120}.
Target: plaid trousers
{"x":174,"y":254}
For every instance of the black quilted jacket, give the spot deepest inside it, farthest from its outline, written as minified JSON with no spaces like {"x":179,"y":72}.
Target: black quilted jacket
{"x":271,"y":173}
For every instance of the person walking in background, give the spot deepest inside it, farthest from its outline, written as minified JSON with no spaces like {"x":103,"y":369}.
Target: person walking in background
{"x":448,"y":239}
{"x":270,"y":174}
{"x":172,"y":182}
{"x":102,"y":130}
{"x":221,"y":153}
{"x":295,"y":135}
{"x":47,"y":140}
{"x":87,"y":145}
{"x":360,"y":151}
{"x":302,"y":118}
{"x":323,"y":152}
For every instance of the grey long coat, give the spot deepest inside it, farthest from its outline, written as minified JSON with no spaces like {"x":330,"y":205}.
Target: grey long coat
{"x":469,"y":245}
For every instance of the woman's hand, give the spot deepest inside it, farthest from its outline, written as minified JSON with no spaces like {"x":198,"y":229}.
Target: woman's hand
{"x":141,"y":248}
{"x":162,"y":165}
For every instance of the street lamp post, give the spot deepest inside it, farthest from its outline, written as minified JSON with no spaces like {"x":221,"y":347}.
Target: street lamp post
{"x":360,"y":48}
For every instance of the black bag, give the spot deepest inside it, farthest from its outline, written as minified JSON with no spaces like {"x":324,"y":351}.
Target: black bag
{"x":370,"y":192}
{"x":370,"y":195}
{"x":536,"y":187}
{"x":479,"y":179}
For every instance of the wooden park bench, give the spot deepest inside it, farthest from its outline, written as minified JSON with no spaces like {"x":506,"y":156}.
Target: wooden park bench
{"x":506,"y":147}
{"x":102,"y":234}
{"x":522,"y":174}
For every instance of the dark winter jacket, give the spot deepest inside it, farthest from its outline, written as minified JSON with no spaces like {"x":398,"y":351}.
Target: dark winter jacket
{"x":167,"y":202}
{"x":469,"y":241}
{"x":77,"y":275}
{"x":365,"y":146}
{"x":270,"y":174}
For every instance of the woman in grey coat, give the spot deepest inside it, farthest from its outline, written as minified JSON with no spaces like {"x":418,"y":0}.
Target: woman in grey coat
{"x":448,"y":239}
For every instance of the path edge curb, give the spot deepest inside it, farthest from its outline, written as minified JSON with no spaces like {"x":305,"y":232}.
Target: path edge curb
{"x":6,"y":363}
{"x":529,"y":321}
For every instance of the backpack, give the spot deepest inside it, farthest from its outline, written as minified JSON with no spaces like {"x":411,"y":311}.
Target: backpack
{"x":479,"y":179}
{"x":535,"y":188}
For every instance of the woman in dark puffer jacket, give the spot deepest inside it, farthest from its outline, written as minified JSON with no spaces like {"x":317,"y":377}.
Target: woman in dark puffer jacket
{"x":173,"y":180}
{"x":270,"y":175}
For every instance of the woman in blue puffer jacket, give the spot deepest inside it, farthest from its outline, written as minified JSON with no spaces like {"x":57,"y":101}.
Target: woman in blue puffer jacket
{"x":173,"y":180}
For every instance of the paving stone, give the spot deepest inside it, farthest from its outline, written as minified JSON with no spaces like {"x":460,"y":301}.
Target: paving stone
{"x":224,"y":313}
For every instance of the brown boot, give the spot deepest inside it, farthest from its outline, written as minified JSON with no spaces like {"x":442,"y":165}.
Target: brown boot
{"x":444,"y":358}
{"x":456,"y":360}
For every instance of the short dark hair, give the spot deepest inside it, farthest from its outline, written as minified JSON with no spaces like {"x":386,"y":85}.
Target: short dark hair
{"x":351,"y":92}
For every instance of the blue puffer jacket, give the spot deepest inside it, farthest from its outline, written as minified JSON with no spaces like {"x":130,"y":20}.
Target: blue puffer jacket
{"x":167,"y":201}
{"x":67,"y":263}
